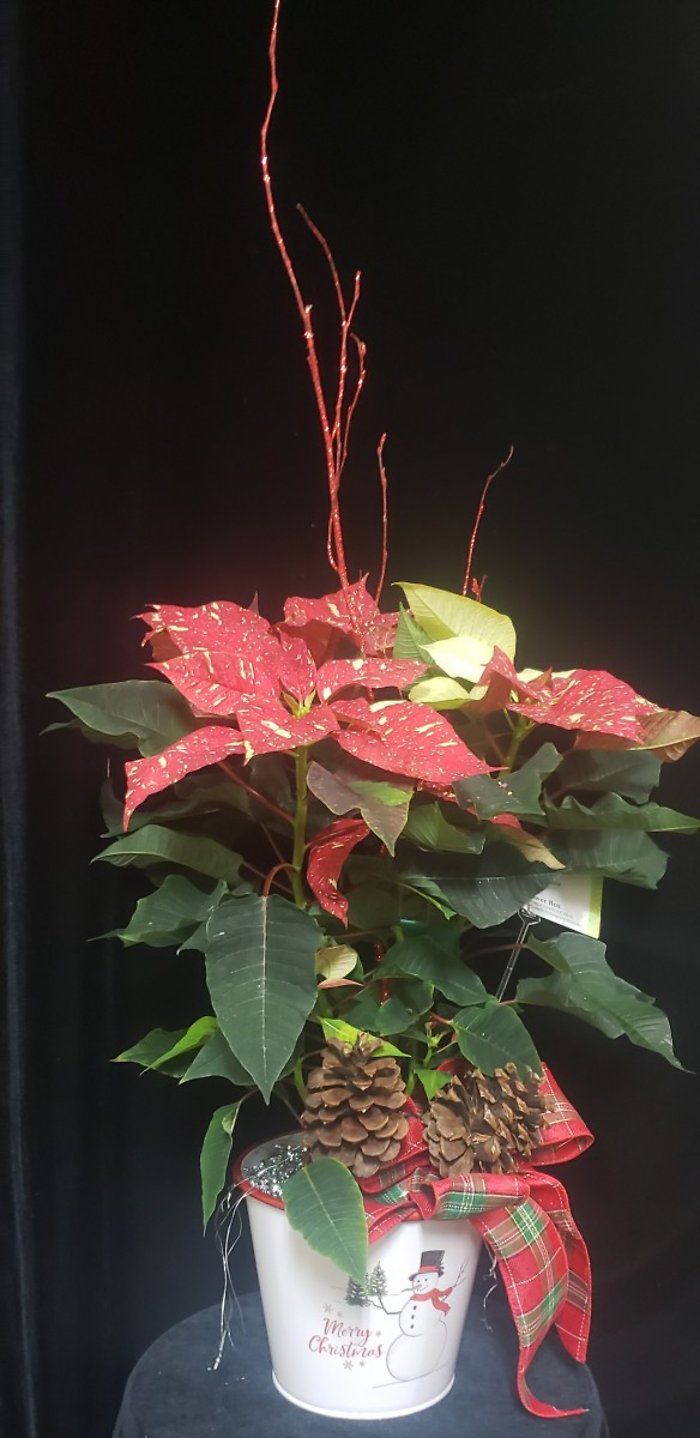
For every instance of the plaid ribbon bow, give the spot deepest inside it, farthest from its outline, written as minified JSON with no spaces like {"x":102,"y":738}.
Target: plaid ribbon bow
{"x":525,"y":1220}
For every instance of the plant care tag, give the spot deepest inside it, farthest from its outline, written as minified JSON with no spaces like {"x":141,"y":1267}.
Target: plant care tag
{"x":572,"y":900}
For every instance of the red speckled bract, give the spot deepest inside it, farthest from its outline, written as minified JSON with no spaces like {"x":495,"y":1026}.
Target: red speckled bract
{"x":215,"y":682}
{"x":194,"y":751}
{"x":296,"y":670}
{"x":502,"y":679}
{"x":340,"y":674}
{"x":406,"y":739}
{"x":219,"y":625}
{"x":328,"y":854}
{"x":269,"y":727}
{"x":588,"y":699}
{"x":354,"y":612}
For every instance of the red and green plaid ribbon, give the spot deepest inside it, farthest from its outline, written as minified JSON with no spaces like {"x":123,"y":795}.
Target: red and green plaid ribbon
{"x":525,"y":1220}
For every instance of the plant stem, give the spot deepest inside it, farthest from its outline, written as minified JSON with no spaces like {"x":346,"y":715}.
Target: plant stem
{"x":269,"y":879}
{"x":281,"y":1094}
{"x":301,"y":766}
{"x":520,"y":729}
{"x":261,"y":798}
{"x":272,"y":878}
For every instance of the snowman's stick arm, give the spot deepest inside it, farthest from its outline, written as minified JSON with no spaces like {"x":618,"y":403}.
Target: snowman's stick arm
{"x":378,"y":1302}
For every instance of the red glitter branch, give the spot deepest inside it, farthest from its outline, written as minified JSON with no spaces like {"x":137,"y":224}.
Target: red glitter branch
{"x":383,"y":482}
{"x":339,"y":432}
{"x":361,"y":376}
{"x":479,"y":516}
{"x":335,"y":427}
{"x":346,"y":319}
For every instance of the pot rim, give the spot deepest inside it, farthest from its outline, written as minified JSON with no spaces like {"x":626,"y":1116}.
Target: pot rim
{"x":245,"y":1184}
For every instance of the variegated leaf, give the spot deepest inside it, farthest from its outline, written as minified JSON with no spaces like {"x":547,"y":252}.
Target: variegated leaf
{"x":339,"y":674}
{"x":267,"y":726}
{"x":219,"y":625}
{"x":195,"y":751}
{"x":588,"y":699}
{"x":328,"y":854}
{"x":404,"y":738}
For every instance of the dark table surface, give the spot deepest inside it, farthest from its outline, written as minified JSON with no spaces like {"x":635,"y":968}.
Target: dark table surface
{"x":173,"y":1391}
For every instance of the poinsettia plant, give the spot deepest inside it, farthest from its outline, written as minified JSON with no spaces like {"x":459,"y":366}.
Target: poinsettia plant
{"x":346,"y":811}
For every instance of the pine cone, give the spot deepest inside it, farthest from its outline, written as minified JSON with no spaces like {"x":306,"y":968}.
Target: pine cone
{"x":483,"y":1122}
{"x":353,"y":1107}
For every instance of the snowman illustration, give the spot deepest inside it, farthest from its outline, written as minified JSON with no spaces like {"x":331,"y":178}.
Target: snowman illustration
{"x":422,"y":1317}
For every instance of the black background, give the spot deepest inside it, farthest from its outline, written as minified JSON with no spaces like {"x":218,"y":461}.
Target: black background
{"x":518,"y":183}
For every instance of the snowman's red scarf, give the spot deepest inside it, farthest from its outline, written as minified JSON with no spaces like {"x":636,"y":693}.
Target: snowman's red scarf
{"x":436,"y":1296}
{"x":525,"y":1220}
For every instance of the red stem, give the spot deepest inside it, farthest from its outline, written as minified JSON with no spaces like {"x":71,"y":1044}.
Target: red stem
{"x":261,"y":875}
{"x":272,"y":876}
{"x":304,"y":309}
{"x":261,"y":798}
{"x":349,"y":415}
{"x":273,"y":843}
{"x":346,"y":319}
{"x":479,"y":516}
{"x":383,"y":482}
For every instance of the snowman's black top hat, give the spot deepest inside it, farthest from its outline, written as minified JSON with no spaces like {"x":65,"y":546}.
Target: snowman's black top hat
{"x":430,"y":1262}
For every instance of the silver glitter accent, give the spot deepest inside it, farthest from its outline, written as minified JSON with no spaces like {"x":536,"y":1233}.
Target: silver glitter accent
{"x":270,"y":1173}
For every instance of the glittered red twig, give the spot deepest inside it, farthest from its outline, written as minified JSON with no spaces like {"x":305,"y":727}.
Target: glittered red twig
{"x":346,"y":319}
{"x":335,"y":417}
{"x":337,"y":555}
{"x":361,"y":376}
{"x":339,"y":432}
{"x":385,"y":526}
{"x":477,"y":522}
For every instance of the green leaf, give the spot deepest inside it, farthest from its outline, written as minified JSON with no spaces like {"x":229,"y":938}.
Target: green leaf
{"x":111,"y":808}
{"x":215,"y":1060}
{"x":515,"y":793}
{"x":633,"y":773}
{"x":261,"y":975}
{"x":143,"y":714}
{"x":418,"y":882}
{"x":155,"y":844}
{"x":493,"y":1035}
{"x":268,"y":775}
{"x":193,"y":1038}
{"x":151,"y":1050}
{"x":429,"y":829}
{"x":371,"y":907}
{"x":347,"y":1034}
{"x":325,"y":1206}
{"x":336,"y":961}
{"x":215,"y":1155}
{"x":440,"y":693}
{"x":383,"y":805}
{"x":410,"y":998}
{"x":410,"y":639}
{"x":432,"y":1080}
{"x":198,"y":794}
{"x":530,"y":846}
{"x":462,"y":657}
{"x":627,"y":855}
{"x":169,"y":914}
{"x":445,"y":934}
{"x":445,"y":616}
{"x":424,"y":959}
{"x":585,"y":985}
{"x":488,"y":888}
{"x":612,"y":812}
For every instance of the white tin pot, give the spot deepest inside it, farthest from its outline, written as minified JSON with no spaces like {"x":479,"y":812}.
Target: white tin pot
{"x":343,"y":1352}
